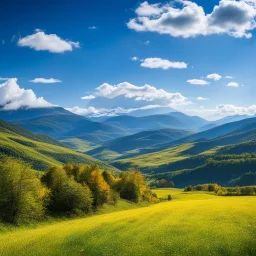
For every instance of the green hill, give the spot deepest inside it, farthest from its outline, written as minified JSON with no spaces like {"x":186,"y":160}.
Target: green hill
{"x":35,"y":149}
{"x":132,"y":145}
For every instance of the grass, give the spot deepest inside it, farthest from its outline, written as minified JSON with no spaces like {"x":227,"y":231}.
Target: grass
{"x":154,"y":160}
{"x":43,"y":155}
{"x":191,"y":224}
{"x":79,"y":144}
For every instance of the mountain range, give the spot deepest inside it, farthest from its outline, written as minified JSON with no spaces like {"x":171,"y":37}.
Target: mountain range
{"x":172,"y":145}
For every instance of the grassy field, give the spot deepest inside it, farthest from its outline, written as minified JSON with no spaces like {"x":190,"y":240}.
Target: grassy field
{"x":192,"y":224}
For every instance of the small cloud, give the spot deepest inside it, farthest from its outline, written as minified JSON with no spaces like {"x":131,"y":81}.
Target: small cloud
{"x":45,"y":81}
{"x":90,"y":97}
{"x":197,"y":82}
{"x":147,"y":42}
{"x":134,"y":58}
{"x":233,"y":84}
{"x":162,"y":63}
{"x":201,"y":98}
{"x":4,"y":78}
{"x":92,"y":27}
{"x":40,"y":41}
{"x":228,"y":77}
{"x":3,"y":42}
{"x":215,"y":77}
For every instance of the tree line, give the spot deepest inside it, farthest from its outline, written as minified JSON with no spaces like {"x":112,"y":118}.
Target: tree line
{"x":224,"y":191}
{"x":69,"y":190}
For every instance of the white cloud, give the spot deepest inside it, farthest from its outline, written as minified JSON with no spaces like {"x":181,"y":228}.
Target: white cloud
{"x":235,"y":18}
{"x":92,"y":27}
{"x":4,"y":78}
{"x":142,"y":93}
{"x":215,"y":77}
{"x":134,"y":58}
{"x":45,"y":81}
{"x":97,"y":112}
{"x":40,"y":41}
{"x":198,"y":82}
{"x":233,"y":84}
{"x":202,"y":98}
{"x":228,"y":77}
{"x":89,"y":97}
{"x":13,"y":97}
{"x":147,"y":42}
{"x":223,"y":110}
{"x":161,"y":63}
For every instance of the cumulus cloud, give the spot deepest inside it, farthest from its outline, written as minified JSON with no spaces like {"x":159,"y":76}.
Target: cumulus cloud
{"x":89,"y":97}
{"x":215,"y":77}
{"x":201,"y":98}
{"x":40,"y":41}
{"x":141,"y":93}
{"x":45,"y":81}
{"x":12,"y":97}
{"x":197,"y":82}
{"x":233,"y":84}
{"x":188,"y":19}
{"x":161,"y":63}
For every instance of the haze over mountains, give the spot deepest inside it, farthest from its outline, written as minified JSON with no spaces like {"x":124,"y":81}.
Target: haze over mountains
{"x":169,"y":145}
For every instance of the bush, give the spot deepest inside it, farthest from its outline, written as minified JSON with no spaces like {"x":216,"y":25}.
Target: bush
{"x":67,"y":195}
{"x":22,"y":196}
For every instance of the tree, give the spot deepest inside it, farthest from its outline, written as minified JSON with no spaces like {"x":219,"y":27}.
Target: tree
{"x":99,"y":188}
{"x":22,"y":195}
{"x":109,"y":178}
{"x":66,"y":194}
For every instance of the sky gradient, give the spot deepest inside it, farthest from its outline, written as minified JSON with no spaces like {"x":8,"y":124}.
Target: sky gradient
{"x":111,"y":57}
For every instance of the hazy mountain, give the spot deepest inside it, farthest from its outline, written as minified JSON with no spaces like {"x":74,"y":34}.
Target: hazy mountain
{"x":173,"y":120}
{"x":60,"y":123}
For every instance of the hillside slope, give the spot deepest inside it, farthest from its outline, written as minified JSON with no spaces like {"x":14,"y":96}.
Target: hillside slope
{"x":132,"y":145}
{"x":40,"y":154}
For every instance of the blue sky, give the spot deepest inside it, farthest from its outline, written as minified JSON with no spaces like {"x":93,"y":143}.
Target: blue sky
{"x":107,"y":44}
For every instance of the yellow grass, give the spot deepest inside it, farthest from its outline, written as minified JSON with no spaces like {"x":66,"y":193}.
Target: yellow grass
{"x":191,"y":224}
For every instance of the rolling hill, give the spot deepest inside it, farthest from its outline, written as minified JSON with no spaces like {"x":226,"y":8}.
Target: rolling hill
{"x":132,"y":145}
{"x":62,"y":124}
{"x":41,"y":151}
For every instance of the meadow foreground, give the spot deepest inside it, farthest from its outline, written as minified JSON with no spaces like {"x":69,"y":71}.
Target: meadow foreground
{"x":193,"y":223}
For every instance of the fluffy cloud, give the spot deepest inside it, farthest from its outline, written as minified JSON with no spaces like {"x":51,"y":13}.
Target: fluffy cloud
{"x":45,"y":81}
{"x":161,"y":63}
{"x":235,"y":18}
{"x":40,"y":41}
{"x":89,"y":97}
{"x":4,"y":78}
{"x":13,"y":97}
{"x":197,"y":82}
{"x":215,"y":77}
{"x":233,"y":84}
{"x":201,"y":98}
{"x":141,"y":93}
